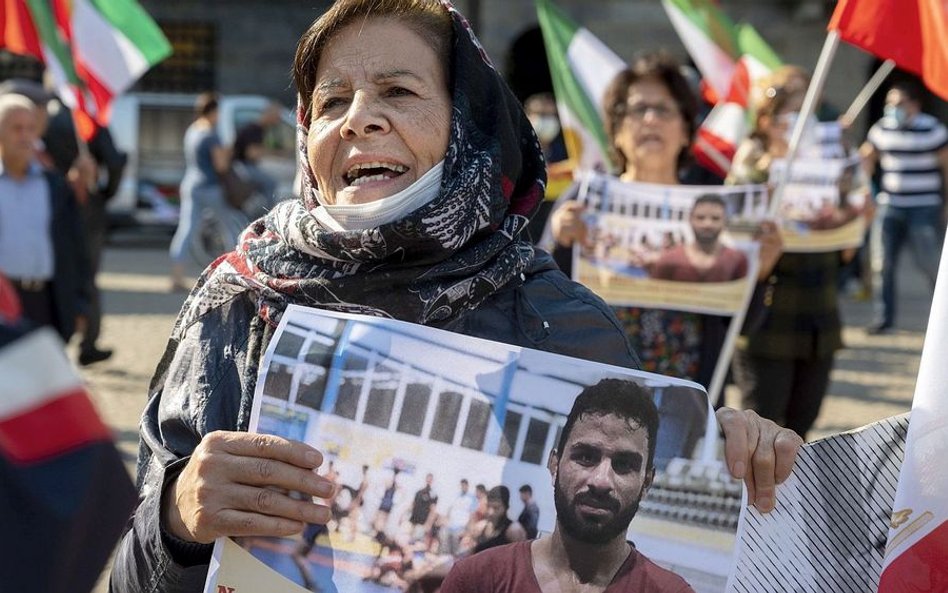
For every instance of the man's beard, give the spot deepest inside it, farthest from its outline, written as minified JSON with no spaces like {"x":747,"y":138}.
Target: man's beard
{"x":584,"y":530}
{"x":707,"y":241}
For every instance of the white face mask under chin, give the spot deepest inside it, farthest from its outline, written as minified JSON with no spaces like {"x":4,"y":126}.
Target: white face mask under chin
{"x":357,"y":217}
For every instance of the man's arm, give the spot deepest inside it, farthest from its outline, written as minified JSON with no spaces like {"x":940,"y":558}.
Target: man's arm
{"x":108,"y":156}
{"x":869,"y":157}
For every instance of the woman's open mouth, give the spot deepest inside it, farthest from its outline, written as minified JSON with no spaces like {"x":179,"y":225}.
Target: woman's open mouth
{"x":374,"y":171}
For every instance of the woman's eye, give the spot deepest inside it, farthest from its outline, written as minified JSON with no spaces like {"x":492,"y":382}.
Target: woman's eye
{"x":330,"y":103}
{"x":398,"y":91}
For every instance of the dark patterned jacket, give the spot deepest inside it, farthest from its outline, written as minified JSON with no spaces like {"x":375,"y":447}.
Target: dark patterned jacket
{"x":198,"y":389}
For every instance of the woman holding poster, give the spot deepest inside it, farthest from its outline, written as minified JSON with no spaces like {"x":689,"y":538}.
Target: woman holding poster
{"x":650,"y":119}
{"x":420,"y":172}
{"x":782,"y":364}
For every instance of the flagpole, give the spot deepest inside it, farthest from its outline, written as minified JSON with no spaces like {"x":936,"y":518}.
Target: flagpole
{"x":867,"y":92}
{"x":714,"y":154}
{"x":813,"y":94}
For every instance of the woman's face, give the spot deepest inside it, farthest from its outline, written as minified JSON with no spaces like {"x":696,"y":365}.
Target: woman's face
{"x":777,"y":127}
{"x":381,"y":112}
{"x":652,"y":132}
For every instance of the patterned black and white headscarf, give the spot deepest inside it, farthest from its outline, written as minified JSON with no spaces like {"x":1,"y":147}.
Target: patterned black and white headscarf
{"x":441,"y":260}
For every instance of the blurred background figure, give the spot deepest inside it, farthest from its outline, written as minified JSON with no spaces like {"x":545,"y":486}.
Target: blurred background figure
{"x":94,"y":172}
{"x":249,"y":147}
{"x":498,"y":529}
{"x":783,"y":360}
{"x":541,"y":111}
{"x":530,"y":515}
{"x":207,"y":160}
{"x":42,"y":251}
{"x":908,"y":151}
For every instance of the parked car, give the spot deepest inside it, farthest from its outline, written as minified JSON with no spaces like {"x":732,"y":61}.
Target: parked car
{"x":150,"y":128}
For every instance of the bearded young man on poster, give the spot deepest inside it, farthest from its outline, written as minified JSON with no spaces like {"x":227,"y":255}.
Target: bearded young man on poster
{"x":601,"y":470}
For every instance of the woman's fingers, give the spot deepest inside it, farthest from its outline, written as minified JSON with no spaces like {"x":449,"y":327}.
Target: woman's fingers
{"x":759,"y":452}
{"x":270,"y":502}
{"x":240,"y":523}
{"x":567,"y":224}
{"x":266,"y":446}
{"x":237,"y":472}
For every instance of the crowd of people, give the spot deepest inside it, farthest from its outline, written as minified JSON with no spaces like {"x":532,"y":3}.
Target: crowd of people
{"x":427,"y":532}
{"x":53,"y":193}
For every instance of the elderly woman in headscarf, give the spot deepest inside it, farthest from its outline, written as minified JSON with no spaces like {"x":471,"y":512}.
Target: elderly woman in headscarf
{"x":420,"y":172}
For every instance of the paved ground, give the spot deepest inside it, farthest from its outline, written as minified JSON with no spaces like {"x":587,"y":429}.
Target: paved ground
{"x":874,"y":377}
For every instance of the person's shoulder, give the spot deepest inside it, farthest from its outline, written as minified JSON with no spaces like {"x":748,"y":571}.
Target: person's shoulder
{"x":486,"y":571}
{"x":925,"y":122}
{"x":575,"y":321}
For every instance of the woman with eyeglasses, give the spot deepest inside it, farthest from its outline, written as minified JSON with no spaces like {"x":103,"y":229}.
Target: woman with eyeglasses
{"x":782,"y":364}
{"x":650,"y":118}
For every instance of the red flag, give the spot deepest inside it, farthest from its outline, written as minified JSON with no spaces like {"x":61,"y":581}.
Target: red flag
{"x":912,"y":33}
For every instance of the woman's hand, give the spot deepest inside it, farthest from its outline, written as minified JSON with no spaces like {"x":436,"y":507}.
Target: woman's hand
{"x":759,"y":452}
{"x":567,"y":224}
{"x":237,"y":484}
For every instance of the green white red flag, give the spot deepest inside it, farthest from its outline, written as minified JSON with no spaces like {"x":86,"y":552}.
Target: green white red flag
{"x":729,"y":122}
{"x":581,"y":67}
{"x":711,"y":40}
{"x":93,"y":49}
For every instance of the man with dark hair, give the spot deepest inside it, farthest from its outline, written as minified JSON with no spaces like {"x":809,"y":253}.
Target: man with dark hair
{"x":422,"y":517}
{"x":499,"y":529}
{"x":457,"y":518}
{"x":601,"y":469}
{"x":530,"y":515}
{"x":909,"y":151}
{"x":82,"y":168}
{"x":705,"y":259}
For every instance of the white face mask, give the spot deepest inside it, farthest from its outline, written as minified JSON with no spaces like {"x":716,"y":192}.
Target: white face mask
{"x":546,"y":126}
{"x":354,"y":217}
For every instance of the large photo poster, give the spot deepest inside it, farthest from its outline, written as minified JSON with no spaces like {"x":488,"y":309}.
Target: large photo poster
{"x":685,"y":248}
{"x":441,"y":446}
{"x":822,"y":204}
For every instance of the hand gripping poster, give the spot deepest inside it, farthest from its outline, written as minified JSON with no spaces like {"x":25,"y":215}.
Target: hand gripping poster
{"x":443,"y":446}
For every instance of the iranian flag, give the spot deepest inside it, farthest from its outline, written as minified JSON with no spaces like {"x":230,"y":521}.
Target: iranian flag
{"x":729,"y":122}
{"x":93,"y":49}
{"x":581,"y":67}
{"x":916,"y":553}
{"x":711,"y":40}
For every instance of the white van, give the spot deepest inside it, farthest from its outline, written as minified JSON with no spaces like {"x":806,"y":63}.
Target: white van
{"x":150,"y":128}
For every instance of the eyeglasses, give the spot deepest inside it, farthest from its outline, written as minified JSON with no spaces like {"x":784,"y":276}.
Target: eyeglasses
{"x":638,"y":111}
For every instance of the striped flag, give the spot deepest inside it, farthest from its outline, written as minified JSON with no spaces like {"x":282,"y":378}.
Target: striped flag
{"x":65,"y":495}
{"x":729,"y":122}
{"x":916,"y":559}
{"x":581,"y":67}
{"x":710,"y":38}
{"x":94,"y":49}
